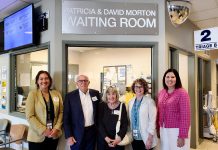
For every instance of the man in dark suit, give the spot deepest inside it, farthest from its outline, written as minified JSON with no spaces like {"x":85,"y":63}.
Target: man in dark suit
{"x":80,"y":115}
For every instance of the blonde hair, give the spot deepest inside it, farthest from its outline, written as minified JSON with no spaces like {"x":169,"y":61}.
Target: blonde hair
{"x":110,"y":89}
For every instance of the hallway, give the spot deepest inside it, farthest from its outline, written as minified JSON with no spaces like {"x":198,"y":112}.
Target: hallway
{"x":207,"y":145}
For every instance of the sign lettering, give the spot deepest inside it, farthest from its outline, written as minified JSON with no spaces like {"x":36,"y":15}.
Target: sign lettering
{"x":85,"y":17}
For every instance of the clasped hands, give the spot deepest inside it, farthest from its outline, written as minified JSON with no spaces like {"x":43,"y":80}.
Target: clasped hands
{"x":51,"y":133}
{"x":113,"y":142}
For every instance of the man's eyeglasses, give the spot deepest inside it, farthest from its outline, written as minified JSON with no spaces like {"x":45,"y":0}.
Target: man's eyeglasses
{"x":83,"y":81}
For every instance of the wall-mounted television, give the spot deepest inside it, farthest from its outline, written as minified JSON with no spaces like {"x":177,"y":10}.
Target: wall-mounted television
{"x":19,"y":29}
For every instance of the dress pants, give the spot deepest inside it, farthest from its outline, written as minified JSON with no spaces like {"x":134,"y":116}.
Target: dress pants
{"x":47,"y":144}
{"x":168,"y":139}
{"x":139,"y":145}
{"x":89,"y":139}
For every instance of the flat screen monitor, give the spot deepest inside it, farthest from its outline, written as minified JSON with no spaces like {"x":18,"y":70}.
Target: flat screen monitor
{"x":19,"y":29}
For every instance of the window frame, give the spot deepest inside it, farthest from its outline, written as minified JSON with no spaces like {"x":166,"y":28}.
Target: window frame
{"x":13,"y":54}
{"x":106,"y":44}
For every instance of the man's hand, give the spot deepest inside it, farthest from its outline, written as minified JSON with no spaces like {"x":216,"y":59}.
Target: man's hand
{"x":71,"y":141}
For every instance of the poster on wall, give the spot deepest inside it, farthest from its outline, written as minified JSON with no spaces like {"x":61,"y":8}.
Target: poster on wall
{"x":121,"y":73}
{"x":115,"y":76}
{"x":3,"y":93}
{"x":4,"y":73}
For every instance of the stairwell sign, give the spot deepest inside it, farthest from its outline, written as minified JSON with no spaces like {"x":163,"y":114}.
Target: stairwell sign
{"x":206,"y":39}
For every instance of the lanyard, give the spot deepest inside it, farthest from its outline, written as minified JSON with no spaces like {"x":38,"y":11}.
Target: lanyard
{"x":136,"y":111}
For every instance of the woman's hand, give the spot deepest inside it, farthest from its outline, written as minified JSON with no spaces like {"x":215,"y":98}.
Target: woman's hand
{"x":149,"y":141}
{"x":108,"y":140}
{"x":180,"y":142}
{"x":54,"y":133}
{"x":115,"y":142}
{"x":47,"y":132}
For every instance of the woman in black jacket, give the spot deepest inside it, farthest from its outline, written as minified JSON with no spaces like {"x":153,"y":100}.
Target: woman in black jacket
{"x":107,"y":119}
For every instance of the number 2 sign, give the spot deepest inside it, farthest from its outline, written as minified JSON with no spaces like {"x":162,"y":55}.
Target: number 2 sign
{"x":206,"y":39}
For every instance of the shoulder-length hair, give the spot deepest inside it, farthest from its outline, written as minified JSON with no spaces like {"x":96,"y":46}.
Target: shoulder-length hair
{"x":142,"y":82}
{"x":37,"y":78}
{"x":110,"y":89}
{"x":178,"y":80}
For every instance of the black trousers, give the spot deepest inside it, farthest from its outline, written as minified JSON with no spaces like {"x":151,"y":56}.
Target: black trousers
{"x":47,"y":144}
{"x":102,"y":145}
{"x":89,"y":138}
{"x":139,"y":145}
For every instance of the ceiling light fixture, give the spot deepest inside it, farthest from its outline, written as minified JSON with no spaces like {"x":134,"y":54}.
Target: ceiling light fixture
{"x":178,"y":10}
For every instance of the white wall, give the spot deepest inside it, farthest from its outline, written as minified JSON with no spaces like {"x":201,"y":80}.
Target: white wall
{"x":183,"y":70}
{"x":91,"y":62}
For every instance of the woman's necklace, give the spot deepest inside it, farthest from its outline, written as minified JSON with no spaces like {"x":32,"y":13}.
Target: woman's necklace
{"x":45,"y":95}
{"x":113,"y":105}
{"x":170,"y":90}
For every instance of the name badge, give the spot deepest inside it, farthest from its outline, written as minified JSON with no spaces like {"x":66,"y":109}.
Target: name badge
{"x":135,"y":134}
{"x":56,"y":99}
{"x":94,"y":98}
{"x":49,"y":125}
{"x":116,"y":112}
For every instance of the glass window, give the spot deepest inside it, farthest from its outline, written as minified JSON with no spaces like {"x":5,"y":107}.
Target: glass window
{"x":27,"y":66}
{"x":109,"y":66}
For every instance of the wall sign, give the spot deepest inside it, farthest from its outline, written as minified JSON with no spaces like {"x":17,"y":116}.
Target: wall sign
{"x":206,"y":39}
{"x":86,"y":17}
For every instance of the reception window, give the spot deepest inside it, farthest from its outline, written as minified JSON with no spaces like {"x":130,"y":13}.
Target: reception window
{"x":105,"y":67}
{"x":26,"y":68}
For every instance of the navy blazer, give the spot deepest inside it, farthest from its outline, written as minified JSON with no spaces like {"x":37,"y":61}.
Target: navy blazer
{"x":73,"y":117}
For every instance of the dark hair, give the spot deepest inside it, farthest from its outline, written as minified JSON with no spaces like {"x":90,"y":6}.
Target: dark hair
{"x":178,"y":80}
{"x":37,"y":78}
{"x":142,"y":82}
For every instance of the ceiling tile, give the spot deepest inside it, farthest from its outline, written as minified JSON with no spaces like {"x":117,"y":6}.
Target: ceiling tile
{"x":8,"y":7}
{"x":199,"y":5}
{"x":5,"y":4}
{"x":12,"y":8}
{"x":207,"y":23}
{"x":31,"y":1}
{"x":207,"y":14}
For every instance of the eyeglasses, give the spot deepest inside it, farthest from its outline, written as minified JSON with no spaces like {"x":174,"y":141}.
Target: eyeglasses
{"x":138,"y":87}
{"x":83,"y":81}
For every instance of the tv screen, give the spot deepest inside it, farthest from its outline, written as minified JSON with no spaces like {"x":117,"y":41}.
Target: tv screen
{"x":18,"y":29}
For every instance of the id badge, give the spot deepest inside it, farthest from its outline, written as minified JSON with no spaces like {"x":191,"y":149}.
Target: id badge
{"x":116,"y":112}
{"x":135,"y":134}
{"x":49,"y":125}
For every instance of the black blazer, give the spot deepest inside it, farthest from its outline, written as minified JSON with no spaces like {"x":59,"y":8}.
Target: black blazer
{"x":73,"y":118}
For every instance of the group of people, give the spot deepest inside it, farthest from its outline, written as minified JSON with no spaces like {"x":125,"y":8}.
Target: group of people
{"x":89,"y":118}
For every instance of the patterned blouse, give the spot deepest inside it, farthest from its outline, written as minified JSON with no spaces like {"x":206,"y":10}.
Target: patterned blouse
{"x":174,"y":110}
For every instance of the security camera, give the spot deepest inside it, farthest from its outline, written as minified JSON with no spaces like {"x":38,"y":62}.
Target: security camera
{"x":178,"y":10}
